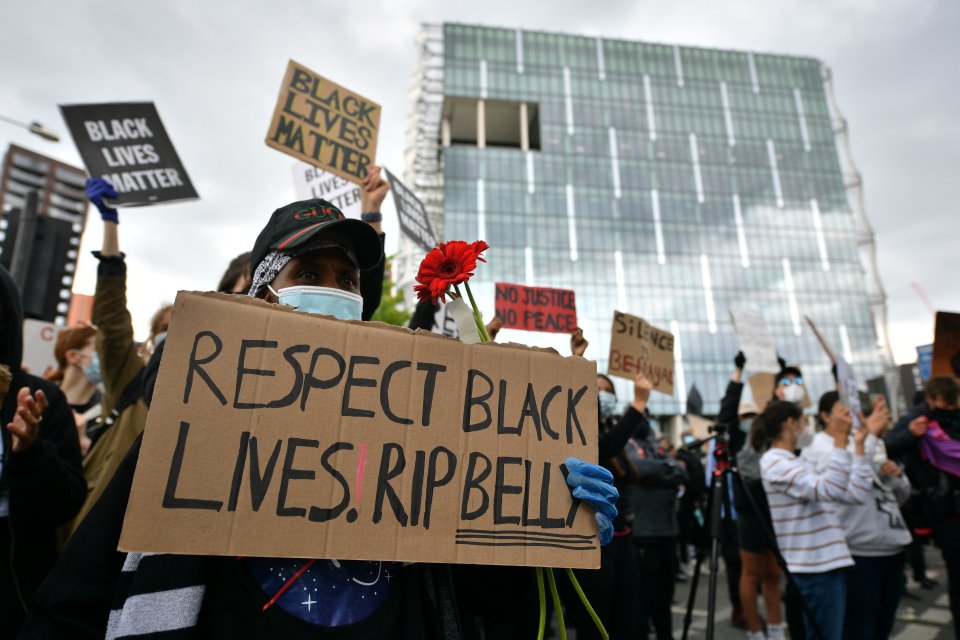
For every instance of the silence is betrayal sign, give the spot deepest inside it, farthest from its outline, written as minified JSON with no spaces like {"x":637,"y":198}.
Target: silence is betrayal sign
{"x":324,"y":124}
{"x":277,"y":433}
{"x":636,"y":346}
{"x":127,"y":145}
{"x":536,"y":308}
{"x":310,"y":182}
{"x":412,"y":215}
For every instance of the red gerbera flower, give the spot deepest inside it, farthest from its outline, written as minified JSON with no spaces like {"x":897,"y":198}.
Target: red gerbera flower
{"x":449,"y":264}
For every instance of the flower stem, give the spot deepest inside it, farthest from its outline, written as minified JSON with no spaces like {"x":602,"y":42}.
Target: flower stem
{"x":543,"y":605}
{"x":586,"y":603}
{"x":476,"y":314}
{"x":556,"y":604}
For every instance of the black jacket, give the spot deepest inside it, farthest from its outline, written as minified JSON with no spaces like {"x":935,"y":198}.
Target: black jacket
{"x":654,"y":500}
{"x":44,"y":483}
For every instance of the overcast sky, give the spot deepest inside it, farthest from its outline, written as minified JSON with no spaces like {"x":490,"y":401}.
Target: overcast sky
{"x":214,"y":71}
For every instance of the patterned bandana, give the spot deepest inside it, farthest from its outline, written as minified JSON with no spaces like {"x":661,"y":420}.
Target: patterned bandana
{"x":274,"y":262}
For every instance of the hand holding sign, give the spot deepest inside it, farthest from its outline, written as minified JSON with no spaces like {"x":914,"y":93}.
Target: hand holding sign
{"x":578,"y":344}
{"x":97,"y":189}
{"x":641,"y":392}
{"x":373,"y":190}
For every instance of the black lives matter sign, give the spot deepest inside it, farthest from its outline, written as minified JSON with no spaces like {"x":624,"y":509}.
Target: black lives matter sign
{"x":126,"y":144}
{"x":412,"y":215}
{"x":324,"y":124}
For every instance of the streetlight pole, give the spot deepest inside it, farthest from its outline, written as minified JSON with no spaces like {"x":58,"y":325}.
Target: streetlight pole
{"x":34,"y":128}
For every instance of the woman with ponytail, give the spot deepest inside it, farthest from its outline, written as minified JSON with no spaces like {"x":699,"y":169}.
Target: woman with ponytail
{"x":809,"y":534}
{"x":78,"y":374}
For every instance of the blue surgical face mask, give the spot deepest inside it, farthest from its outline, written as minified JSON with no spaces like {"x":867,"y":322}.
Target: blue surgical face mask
{"x":159,"y":338}
{"x":323,"y":300}
{"x":92,"y":369}
{"x":608,"y":404}
{"x":745,"y":424}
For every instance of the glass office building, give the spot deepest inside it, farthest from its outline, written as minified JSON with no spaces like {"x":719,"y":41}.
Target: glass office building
{"x":669,"y":182}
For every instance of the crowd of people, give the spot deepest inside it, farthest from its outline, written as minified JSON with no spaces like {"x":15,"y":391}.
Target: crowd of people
{"x":818,"y":519}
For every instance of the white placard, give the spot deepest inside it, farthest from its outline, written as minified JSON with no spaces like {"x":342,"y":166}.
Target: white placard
{"x":755,"y":340}
{"x":311,"y":182}
{"x":39,"y":339}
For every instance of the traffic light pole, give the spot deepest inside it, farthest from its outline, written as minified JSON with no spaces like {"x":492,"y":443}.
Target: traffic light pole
{"x":23,"y":245}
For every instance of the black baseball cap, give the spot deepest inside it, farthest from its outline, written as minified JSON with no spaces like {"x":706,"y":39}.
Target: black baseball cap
{"x":299,"y":222}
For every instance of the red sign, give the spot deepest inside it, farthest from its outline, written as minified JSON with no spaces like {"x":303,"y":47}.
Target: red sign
{"x":536,"y":308}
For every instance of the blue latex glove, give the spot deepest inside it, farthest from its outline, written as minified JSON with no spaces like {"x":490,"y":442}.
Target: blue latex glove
{"x":594,"y":485}
{"x":97,"y":190}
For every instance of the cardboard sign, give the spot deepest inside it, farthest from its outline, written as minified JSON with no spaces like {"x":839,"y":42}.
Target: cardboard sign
{"x":310,"y":182}
{"x":639,"y":347}
{"x":324,"y":124}
{"x":412,"y":215}
{"x":762,"y":386}
{"x":126,"y":144}
{"x":755,"y":340}
{"x":925,"y":361}
{"x":946,"y":345}
{"x":536,"y":308}
{"x":39,"y":339}
{"x":277,"y":433}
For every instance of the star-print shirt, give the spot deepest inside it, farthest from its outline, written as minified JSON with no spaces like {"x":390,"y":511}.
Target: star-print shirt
{"x":330,"y":599}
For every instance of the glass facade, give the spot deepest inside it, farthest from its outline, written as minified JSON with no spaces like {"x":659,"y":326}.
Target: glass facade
{"x":672,"y":183}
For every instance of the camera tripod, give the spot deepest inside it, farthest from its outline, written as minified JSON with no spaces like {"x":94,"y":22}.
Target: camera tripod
{"x":725,"y":473}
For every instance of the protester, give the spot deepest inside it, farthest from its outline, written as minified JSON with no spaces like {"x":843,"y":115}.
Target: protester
{"x":614,"y":587}
{"x":655,"y":530}
{"x":938,"y":485}
{"x":41,"y":476}
{"x":809,"y":534}
{"x":690,"y":500}
{"x":159,"y":324}
{"x":872,"y":525}
{"x":236,"y":279}
{"x":124,"y":413}
{"x":78,"y":375}
{"x":96,"y":590}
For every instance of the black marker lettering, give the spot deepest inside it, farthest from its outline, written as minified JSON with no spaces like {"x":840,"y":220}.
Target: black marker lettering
{"x":384,"y":476}
{"x":385,"y":391}
{"x":170,"y":499}
{"x":242,"y":371}
{"x":433,"y":482}
{"x":501,"y":488}
{"x":195,"y":366}
{"x":319,"y":514}
{"x":470,"y":400}
{"x":289,"y":473}
{"x":474,"y":481}
{"x":345,"y":408}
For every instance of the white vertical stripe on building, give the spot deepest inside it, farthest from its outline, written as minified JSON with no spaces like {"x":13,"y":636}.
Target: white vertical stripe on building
{"x":791,"y":296}
{"x":751,"y":63}
{"x":530,"y":176}
{"x":798,"y":99}
{"x":708,"y":292}
{"x":483,"y":78}
{"x":727,"y":114}
{"x":774,"y":172}
{"x":481,"y":209}
{"x":818,"y":228}
{"x":695,"y":158}
{"x":528,"y":263}
{"x":568,"y":99}
{"x":741,"y":233}
{"x":572,"y":223}
{"x":614,"y":161}
{"x":845,"y":344}
{"x":601,"y":71}
{"x":678,"y":65}
{"x":621,"y":279}
{"x":657,"y":226}
{"x":648,"y":99}
{"x":519,"y":39}
{"x":678,"y":374}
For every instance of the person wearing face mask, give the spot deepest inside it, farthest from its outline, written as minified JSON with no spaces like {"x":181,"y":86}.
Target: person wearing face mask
{"x":78,"y":376}
{"x":123,"y":413}
{"x":309,"y":257}
{"x":809,"y":534}
{"x":870,"y":516}
{"x":936,"y":488}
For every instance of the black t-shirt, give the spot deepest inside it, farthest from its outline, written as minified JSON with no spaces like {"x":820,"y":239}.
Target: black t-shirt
{"x":89,"y":404}
{"x":234,"y":600}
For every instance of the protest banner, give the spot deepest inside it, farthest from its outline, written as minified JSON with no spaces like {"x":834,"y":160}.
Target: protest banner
{"x":535,"y":308}
{"x":925,"y":360}
{"x":126,"y":144}
{"x":414,"y":221}
{"x":755,"y":340}
{"x":849,"y":389}
{"x":39,"y":339}
{"x":946,"y":345}
{"x":282,"y":434}
{"x":309,"y":182}
{"x":324,"y":124}
{"x":877,"y":387}
{"x":636,"y":346}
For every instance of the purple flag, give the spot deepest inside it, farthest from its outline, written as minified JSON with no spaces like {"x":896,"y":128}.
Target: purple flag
{"x":940,"y":450}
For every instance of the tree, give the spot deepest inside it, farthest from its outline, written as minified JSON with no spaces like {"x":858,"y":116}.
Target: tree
{"x":392,"y":308}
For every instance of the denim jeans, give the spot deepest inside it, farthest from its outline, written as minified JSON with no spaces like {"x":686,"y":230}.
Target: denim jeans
{"x":826,"y":595}
{"x":874,"y":587}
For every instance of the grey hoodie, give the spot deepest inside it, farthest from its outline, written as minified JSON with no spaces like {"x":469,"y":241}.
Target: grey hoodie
{"x":875,"y":526}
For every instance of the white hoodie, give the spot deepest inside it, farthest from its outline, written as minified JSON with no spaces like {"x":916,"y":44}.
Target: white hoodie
{"x":875,"y":527}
